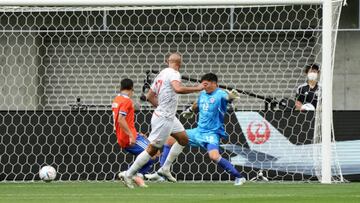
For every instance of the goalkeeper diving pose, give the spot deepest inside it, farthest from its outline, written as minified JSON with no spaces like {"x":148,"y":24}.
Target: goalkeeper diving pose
{"x":212,"y":104}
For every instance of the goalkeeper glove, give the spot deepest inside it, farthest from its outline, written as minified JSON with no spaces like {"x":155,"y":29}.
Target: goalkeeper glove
{"x":188,"y":113}
{"x":233,"y":94}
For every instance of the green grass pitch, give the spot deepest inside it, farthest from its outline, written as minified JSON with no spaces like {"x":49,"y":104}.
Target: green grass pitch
{"x":91,"y":192}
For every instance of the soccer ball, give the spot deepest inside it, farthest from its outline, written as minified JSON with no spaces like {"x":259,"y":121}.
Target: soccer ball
{"x":47,"y":173}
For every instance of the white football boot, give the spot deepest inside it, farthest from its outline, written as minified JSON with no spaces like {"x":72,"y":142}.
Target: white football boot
{"x":239,"y":181}
{"x":128,"y":181}
{"x":166,"y":174}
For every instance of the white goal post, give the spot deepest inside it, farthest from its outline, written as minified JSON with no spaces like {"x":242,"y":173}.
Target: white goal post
{"x":326,"y":117}
{"x":327,"y":47}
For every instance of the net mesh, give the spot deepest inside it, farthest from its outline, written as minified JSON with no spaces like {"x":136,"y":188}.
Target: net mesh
{"x":61,"y":68}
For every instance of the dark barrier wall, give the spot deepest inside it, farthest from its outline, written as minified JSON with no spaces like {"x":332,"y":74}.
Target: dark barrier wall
{"x":82,"y":145}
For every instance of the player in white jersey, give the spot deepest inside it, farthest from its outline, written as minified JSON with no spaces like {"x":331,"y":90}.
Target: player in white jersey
{"x":163,"y":95}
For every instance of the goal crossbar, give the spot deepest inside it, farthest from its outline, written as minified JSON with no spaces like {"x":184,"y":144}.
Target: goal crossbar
{"x":150,"y":2}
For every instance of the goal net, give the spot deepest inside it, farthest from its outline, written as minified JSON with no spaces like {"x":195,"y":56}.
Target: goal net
{"x":61,"y":68}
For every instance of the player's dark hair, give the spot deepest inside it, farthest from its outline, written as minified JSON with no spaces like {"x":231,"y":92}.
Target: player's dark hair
{"x":312,"y":66}
{"x":126,"y":84}
{"x":209,"y":77}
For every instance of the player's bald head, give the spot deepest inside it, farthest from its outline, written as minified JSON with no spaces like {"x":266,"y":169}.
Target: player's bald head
{"x":174,"y":57}
{"x":174,"y":60}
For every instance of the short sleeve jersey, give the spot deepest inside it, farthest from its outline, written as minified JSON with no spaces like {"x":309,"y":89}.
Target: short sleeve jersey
{"x":212,"y":109}
{"x":306,"y":94}
{"x":123,"y":106}
{"x":167,"y":97}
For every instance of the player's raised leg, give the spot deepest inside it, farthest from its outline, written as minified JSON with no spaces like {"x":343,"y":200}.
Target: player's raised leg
{"x":139,"y":162}
{"x":139,"y":146}
{"x":215,"y":156}
{"x":161,"y":128}
{"x":164,"y":154}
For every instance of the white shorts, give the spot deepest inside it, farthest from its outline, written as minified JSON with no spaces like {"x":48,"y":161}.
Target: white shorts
{"x":161,"y":128}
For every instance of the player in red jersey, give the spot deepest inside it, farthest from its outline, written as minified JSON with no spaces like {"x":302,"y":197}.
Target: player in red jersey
{"x":124,"y":125}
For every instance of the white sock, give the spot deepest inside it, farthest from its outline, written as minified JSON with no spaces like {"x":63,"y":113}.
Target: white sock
{"x":139,"y":162}
{"x":175,"y":150}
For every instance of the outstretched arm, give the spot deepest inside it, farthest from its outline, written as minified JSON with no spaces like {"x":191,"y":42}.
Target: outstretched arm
{"x":180,"y":89}
{"x":232,"y":94}
{"x":189,"y":112}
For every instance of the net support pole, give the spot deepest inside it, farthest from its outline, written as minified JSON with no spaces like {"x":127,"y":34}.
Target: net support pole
{"x":326,"y":100}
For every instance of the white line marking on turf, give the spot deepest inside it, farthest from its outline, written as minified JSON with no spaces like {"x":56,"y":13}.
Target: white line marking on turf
{"x":163,"y":194}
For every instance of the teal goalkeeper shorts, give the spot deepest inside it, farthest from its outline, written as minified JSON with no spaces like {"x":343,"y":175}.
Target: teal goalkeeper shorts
{"x":206,"y":140}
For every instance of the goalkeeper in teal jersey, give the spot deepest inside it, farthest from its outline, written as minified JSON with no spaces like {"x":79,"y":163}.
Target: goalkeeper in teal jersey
{"x":211,"y":104}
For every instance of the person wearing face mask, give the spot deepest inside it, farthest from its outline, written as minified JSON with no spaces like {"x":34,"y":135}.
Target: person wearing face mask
{"x":307,"y":93}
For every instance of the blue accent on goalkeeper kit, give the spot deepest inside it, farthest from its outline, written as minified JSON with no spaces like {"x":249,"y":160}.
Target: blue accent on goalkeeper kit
{"x":198,"y":139}
{"x":212,"y":109}
{"x":225,"y":164}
